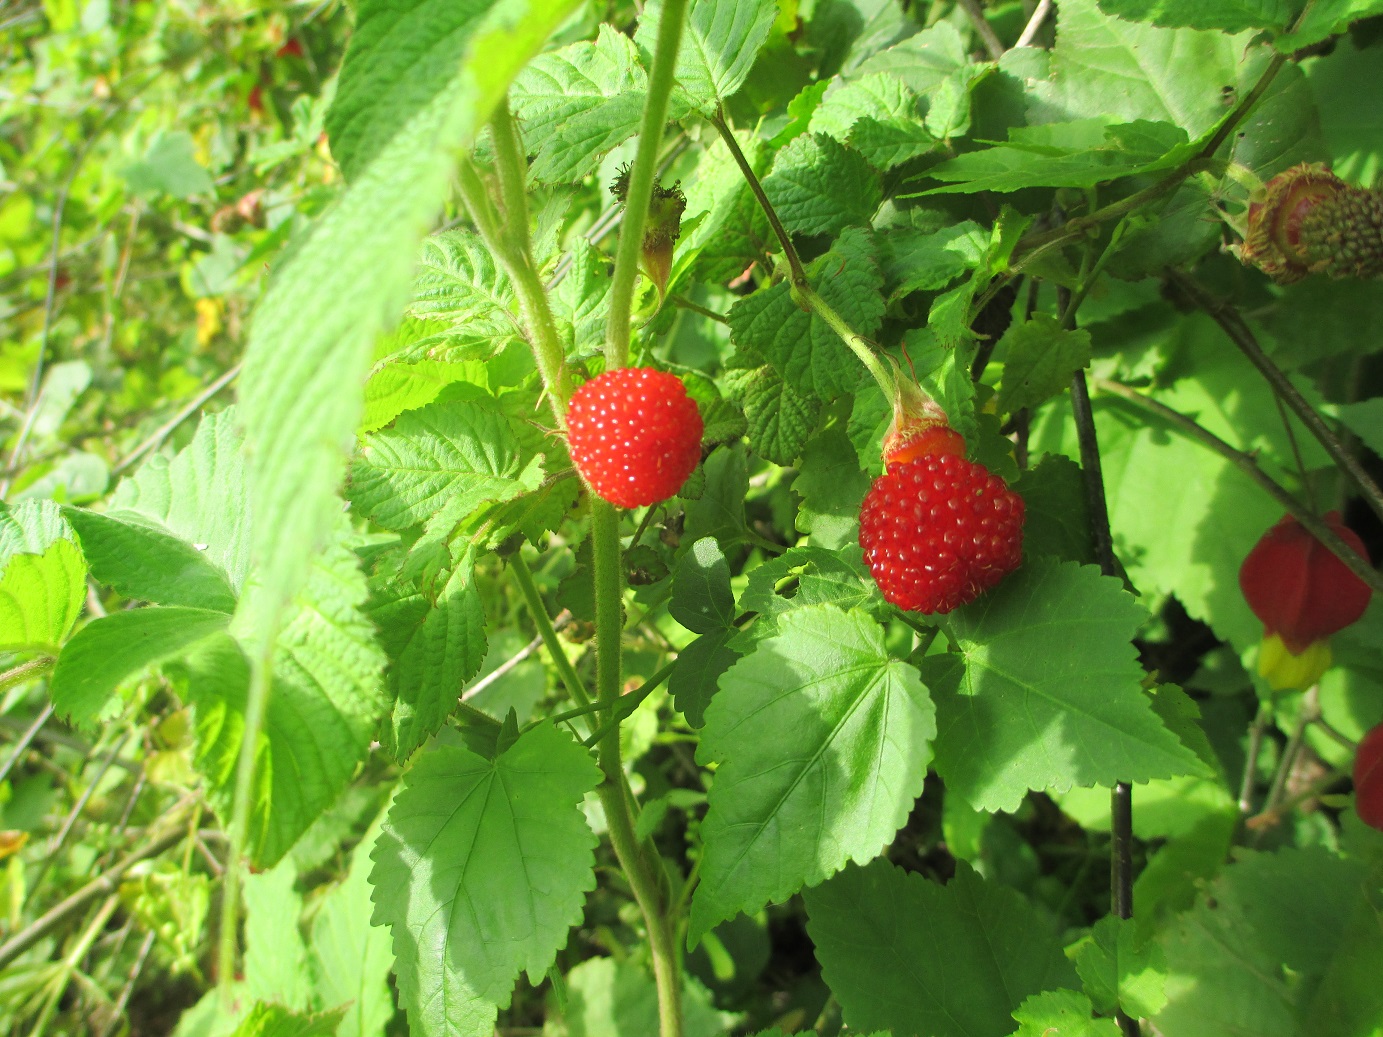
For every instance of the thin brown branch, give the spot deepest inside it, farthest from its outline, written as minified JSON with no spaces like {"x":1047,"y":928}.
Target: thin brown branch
{"x":983,"y":29}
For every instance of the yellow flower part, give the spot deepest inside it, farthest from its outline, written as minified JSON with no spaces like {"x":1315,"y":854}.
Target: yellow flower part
{"x":209,"y":312}
{"x":1288,"y":672}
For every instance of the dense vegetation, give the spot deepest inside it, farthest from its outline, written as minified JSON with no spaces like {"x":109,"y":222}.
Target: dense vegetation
{"x":334,"y":702}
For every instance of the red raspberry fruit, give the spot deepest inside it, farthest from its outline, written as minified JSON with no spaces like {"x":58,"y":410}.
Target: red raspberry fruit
{"x":939,"y":531}
{"x":634,"y":434}
{"x":1368,"y":778}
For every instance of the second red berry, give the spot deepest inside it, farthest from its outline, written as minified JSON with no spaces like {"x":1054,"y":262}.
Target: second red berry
{"x":939,"y":531}
{"x":634,"y":434}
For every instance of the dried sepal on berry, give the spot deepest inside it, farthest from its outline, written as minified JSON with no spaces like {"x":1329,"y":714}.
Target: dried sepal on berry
{"x":919,"y":426}
{"x":1309,"y":221}
{"x":662,"y":229}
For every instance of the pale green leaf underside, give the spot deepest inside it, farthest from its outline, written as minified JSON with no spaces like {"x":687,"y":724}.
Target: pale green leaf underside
{"x":41,"y":597}
{"x":910,"y":956}
{"x":458,"y":451}
{"x":1045,"y":692}
{"x":481,"y":869}
{"x":110,"y":650}
{"x":823,"y":742}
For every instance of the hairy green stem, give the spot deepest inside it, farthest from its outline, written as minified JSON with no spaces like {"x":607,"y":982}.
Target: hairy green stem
{"x":640,"y":189}
{"x":799,"y":273}
{"x":1246,"y":464}
{"x":1234,"y":326}
{"x":628,"y":703}
{"x":510,"y":248}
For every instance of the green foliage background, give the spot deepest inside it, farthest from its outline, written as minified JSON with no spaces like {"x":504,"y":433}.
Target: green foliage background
{"x":288,"y":523}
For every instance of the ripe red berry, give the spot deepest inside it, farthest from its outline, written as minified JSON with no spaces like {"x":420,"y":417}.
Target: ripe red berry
{"x":1297,"y":586}
{"x":1368,"y":778}
{"x":634,"y":434}
{"x":939,"y":531}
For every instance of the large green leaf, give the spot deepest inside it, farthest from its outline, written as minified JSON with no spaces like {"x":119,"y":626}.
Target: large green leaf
{"x":701,"y":597}
{"x":1225,"y":15}
{"x":819,"y":186}
{"x":1063,"y":1012}
{"x":458,"y":451}
{"x":720,"y":40}
{"x":822,"y":742}
{"x":877,"y":115}
{"x":1045,"y":691}
{"x":481,"y":869}
{"x":576,"y":103}
{"x":418,"y":83}
{"x":349,"y":958}
{"x":1103,"y":66}
{"x":907,"y":955}
{"x":143,"y":561}
{"x":275,"y":953}
{"x":108,"y":651}
{"x":444,"y":651}
{"x":1250,"y":956}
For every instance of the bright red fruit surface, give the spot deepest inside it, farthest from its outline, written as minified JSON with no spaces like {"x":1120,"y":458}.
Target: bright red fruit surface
{"x":1298,"y":588}
{"x":634,"y":434}
{"x":1368,"y":778}
{"x":939,"y":531}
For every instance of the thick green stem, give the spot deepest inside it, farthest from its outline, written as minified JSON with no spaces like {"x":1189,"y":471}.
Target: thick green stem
{"x":660,"y":80}
{"x":639,"y":869}
{"x":510,"y":247}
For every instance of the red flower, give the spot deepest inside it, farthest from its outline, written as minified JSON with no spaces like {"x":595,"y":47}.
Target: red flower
{"x":1303,"y":594}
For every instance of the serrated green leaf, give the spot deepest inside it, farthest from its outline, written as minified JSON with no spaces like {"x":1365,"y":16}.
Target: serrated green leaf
{"x":323,"y":708}
{"x":418,"y":83}
{"x":41,"y":596}
{"x":822,"y":743}
{"x":916,"y":260}
{"x":1103,"y":66}
{"x":398,"y":387}
{"x":1043,"y":157}
{"x":779,"y":418}
{"x":696,"y":677}
{"x":577,"y":103}
{"x":819,"y":186}
{"x":832,"y":486}
{"x":816,"y":575}
{"x":701,"y":597}
{"x":1063,"y":1012}
{"x":1224,"y":15}
{"x":582,"y":299}
{"x":720,"y":40}
{"x":458,"y":452}
{"x":146,"y":563}
{"x":1118,"y":969}
{"x":198,"y":495}
{"x":877,"y":115}
{"x":1045,"y":691}
{"x":444,"y":652}
{"x":481,"y":869}
{"x":802,"y":347}
{"x":879,"y":937}
{"x":1247,"y":958}
{"x":275,"y":953}
{"x":110,"y":650}
{"x":1040,"y":356}
{"x":350,"y":959}
{"x":30,"y":527}
{"x":1056,"y":522}
{"x":922,"y":61}
{"x":458,"y":281}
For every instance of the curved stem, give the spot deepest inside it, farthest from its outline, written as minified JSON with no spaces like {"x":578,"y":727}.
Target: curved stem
{"x":641,"y":183}
{"x":799,"y":273}
{"x":1234,"y":326}
{"x":1246,"y":464}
